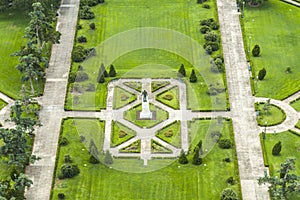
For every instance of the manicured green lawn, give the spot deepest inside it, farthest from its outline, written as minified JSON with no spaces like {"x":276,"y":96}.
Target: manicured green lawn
{"x":134,"y":147}
{"x":170,"y":98}
{"x":156,"y":85}
{"x":120,"y":134}
{"x":131,"y":115}
{"x":134,"y":85}
{"x":116,"y":17}
{"x":158,"y":148}
{"x":275,"y":28}
{"x":2,"y":104}
{"x":166,"y":182}
{"x":296,"y":105}
{"x":12,"y":25}
{"x":122,"y":97}
{"x":290,"y":148}
{"x":273,"y":116}
{"x":171,"y":134}
{"x":298,"y":124}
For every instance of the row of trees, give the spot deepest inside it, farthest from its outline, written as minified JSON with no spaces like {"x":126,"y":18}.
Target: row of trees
{"x":182,"y":73}
{"x":34,"y":56}
{"x":16,"y":148}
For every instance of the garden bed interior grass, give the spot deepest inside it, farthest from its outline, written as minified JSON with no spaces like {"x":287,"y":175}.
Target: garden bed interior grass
{"x":171,"y":134}
{"x":274,"y":27}
{"x":274,"y":116}
{"x":122,"y":97}
{"x":2,"y":104}
{"x":290,"y":148}
{"x":187,"y":182}
{"x":170,"y":98}
{"x":120,"y":134}
{"x":296,"y":105}
{"x":180,"y":16}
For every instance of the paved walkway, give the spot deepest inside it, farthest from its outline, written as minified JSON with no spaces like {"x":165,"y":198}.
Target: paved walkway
{"x":295,"y":3}
{"x":46,"y":139}
{"x":249,"y":153}
{"x":5,"y":112}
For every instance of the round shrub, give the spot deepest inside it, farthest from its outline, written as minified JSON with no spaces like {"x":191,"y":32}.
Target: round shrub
{"x":276,"y":149}
{"x":208,"y":49}
{"x":228,"y":194}
{"x":86,"y":13}
{"x":214,"y":45}
{"x":206,"y":6}
{"x":256,"y":50}
{"x":168,"y":133}
{"x":79,"y":26}
{"x":78,"y":54}
{"x":225,"y":143}
{"x":61,"y":196}
{"x":67,"y":158}
{"x":63,"y":141}
{"x":214,"y":25}
{"x":168,"y":97}
{"x":230,"y":180}
{"x":227,"y":160}
{"x":92,"y":26}
{"x":69,"y":170}
{"x":72,"y":77}
{"x":204,"y":29}
{"x":81,"y":76}
{"x":80,"y":68}
{"x":211,"y":36}
{"x":82,"y":39}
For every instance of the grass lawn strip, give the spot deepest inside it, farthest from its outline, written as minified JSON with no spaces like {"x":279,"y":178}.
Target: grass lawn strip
{"x":274,"y":27}
{"x":158,"y":148}
{"x":187,"y":182}
{"x":2,"y":104}
{"x":134,"y":147}
{"x":156,"y":85}
{"x":296,"y":104}
{"x":170,"y":98}
{"x":290,"y":148}
{"x":120,"y":133}
{"x":171,"y":134}
{"x":122,"y":97}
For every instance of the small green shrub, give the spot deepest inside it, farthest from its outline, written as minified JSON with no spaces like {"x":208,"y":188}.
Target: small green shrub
{"x":225,"y":143}
{"x":79,"y":26}
{"x":78,"y":54}
{"x":91,"y":87}
{"x":67,"y":158}
{"x":182,"y":158}
{"x":228,"y":194}
{"x":92,"y":26}
{"x":261,"y":74}
{"x":227,"y":160}
{"x":61,"y":196}
{"x":81,"y":76}
{"x":230,"y":180}
{"x":206,"y":6}
{"x":82,"y":39}
{"x":69,"y":170}
{"x":276,"y":149}
{"x":63,"y":141}
{"x":94,"y":160}
{"x":86,"y":13}
{"x":256,"y":50}
{"x":204,"y":29}
{"x":211,"y":36}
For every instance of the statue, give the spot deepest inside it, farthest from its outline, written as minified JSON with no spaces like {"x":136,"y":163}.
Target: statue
{"x":145,"y":113}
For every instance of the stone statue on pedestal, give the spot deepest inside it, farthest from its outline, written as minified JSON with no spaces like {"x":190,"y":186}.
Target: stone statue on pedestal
{"x":146,"y":113}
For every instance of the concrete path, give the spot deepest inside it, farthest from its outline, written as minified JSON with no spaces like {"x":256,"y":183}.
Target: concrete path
{"x":293,"y":97}
{"x":46,"y":138}
{"x":5,"y":112}
{"x":295,"y":3}
{"x":246,"y":131}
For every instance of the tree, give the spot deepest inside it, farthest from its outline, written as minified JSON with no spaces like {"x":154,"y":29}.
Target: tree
{"x":182,"y":158}
{"x":193,"y":77}
{"x":22,"y":182}
{"x":102,"y":74}
{"x":181,"y":71}
{"x":256,"y":50}
{"x":199,"y":145}
{"x":93,"y":148}
{"x":40,"y":29}
{"x":69,"y":170}
{"x":228,"y":194}
{"x":276,"y":149}
{"x":261,"y":74}
{"x":280,"y":187}
{"x":112,"y":71}
{"x":197,"y":160}
{"x":108,"y":158}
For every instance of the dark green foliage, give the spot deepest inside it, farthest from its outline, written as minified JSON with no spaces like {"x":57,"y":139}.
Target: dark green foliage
{"x":81,"y":76}
{"x":63,"y":141}
{"x":86,"y":13}
{"x":216,"y":135}
{"x":108,"y":158}
{"x":93,"y":148}
{"x":61,"y":196}
{"x":181,"y":71}
{"x":199,"y":145}
{"x":69,"y":170}
{"x":201,"y":1}
{"x":182,"y":158}
{"x":204,"y":29}
{"x":193,"y":77}
{"x":210,"y":23}
{"x":94,"y":160}
{"x":91,"y":87}
{"x":72,"y":77}
{"x":214,"y":45}
{"x":112,"y":71}
{"x":228,"y":194}
{"x":230,"y":180}
{"x":102,"y":74}
{"x":256,"y":50}
{"x":101,"y":79}
{"x":78,"y":54}
{"x":208,"y":49}
{"x":225,"y":143}
{"x":217,"y":65}
{"x":206,"y":6}
{"x":211,"y":36}
{"x":288,"y":70}
{"x":197,"y":160}
{"x":82,"y":39}
{"x":103,"y":70}
{"x":287,"y":183}
{"x":79,"y":27}
{"x":261,"y":74}
{"x":92,"y":26}
{"x":80,"y":68}
{"x":276,"y":149}
{"x":227,"y":160}
{"x":67,"y":158}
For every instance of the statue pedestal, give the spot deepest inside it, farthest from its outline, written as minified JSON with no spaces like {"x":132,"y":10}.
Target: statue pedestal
{"x":146,"y":113}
